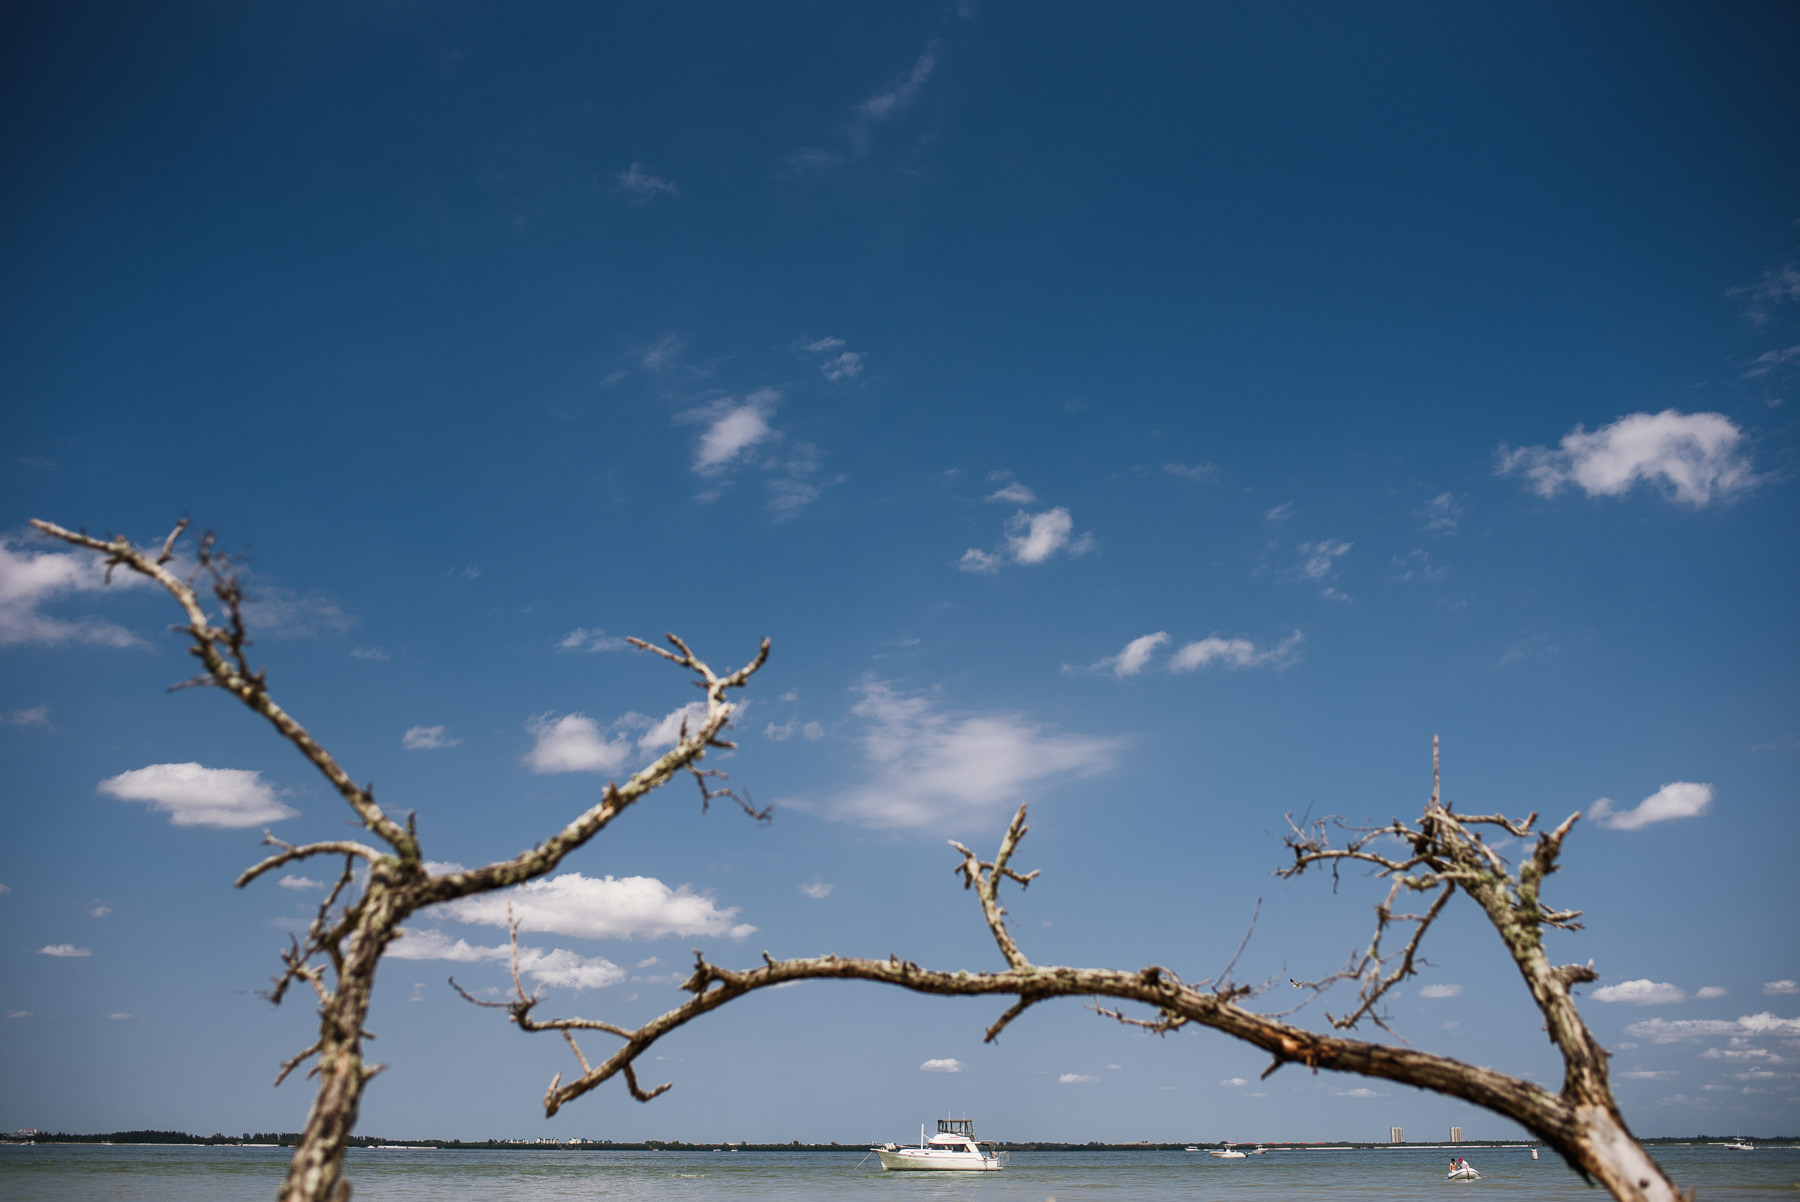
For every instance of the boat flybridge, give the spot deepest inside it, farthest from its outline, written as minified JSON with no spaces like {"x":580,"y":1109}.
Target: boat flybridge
{"x":953,"y":1149}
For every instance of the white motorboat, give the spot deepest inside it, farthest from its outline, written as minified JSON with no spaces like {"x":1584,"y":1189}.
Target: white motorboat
{"x":954,"y":1149}
{"x":1227,"y":1152}
{"x":1738,"y":1144}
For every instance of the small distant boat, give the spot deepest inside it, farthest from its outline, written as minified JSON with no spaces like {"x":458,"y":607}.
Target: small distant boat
{"x":1227,"y":1152}
{"x":1190,"y":1148}
{"x":1739,"y":1144}
{"x":1462,"y":1172}
{"x":953,"y":1149}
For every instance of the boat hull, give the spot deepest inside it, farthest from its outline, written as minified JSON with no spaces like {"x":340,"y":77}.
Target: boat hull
{"x":936,"y":1162}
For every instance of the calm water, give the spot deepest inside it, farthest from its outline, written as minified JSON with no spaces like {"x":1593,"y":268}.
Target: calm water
{"x":76,"y":1173}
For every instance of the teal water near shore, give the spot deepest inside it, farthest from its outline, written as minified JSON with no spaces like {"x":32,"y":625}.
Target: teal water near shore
{"x":139,"y":1173}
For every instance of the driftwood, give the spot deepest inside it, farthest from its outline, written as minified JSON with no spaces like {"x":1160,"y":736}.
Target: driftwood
{"x":1443,"y":854}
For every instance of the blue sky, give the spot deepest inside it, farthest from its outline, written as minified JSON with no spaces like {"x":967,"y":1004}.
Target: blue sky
{"x":1171,"y":418}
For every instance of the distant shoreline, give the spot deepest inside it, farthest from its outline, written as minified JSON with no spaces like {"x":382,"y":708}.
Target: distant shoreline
{"x":374,"y":1143}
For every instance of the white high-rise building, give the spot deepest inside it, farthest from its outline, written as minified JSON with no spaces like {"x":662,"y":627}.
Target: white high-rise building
{"x":1396,"y":1135}
{"x":1456,"y":1135}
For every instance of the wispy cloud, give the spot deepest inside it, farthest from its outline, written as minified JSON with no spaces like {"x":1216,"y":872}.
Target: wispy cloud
{"x":948,"y":1064}
{"x":1768,"y":361}
{"x":1135,"y":656}
{"x":1711,"y":991}
{"x":272,"y":611}
{"x":375,"y":653}
{"x":64,"y":951}
{"x":1442,"y":513}
{"x":800,"y":482}
{"x":641,"y":187}
{"x":32,"y":579}
{"x":1692,"y":458}
{"x":1192,"y":471}
{"x":299,"y":884}
{"x":1319,"y":560}
{"x":1013,"y":494}
{"x":427,"y":738}
{"x":1441,"y":991}
{"x":1677,"y":799}
{"x":817,"y":890}
{"x":194,"y":795}
{"x":1237,"y":653}
{"x":1643,"y":992}
{"x":587,"y":639}
{"x":661,"y":354}
{"x":1077,"y":1079}
{"x":37,"y":715}
{"x":1777,"y":286}
{"x":1781,"y":988}
{"x":895,"y":97}
{"x":929,"y":768}
{"x":838,"y":364}
{"x":633,"y":907}
{"x":1679,"y":1030}
{"x":1279,"y":514}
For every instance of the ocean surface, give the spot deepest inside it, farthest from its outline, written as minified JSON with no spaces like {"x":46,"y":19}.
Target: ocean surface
{"x":79,"y":1172}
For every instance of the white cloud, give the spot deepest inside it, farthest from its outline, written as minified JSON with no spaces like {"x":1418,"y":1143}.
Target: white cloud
{"x":1711,"y":991}
{"x":946,"y":1065}
{"x":930,"y":768}
{"x":299,"y":884}
{"x":1781,"y":988}
{"x":30,"y":579}
{"x":1776,"y":285}
{"x":1678,"y":799}
{"x":894,"y":98}
{"x":193,"y":795}
{"x":556,"y":967}
{"x":1768,"y":361}
{"x":1234,"y":1082}
{"x":845,"y":366}
{"x":1077,"y":1079}
{"x":1318,"y":561}
{"x":1013,"y":494}
{"x":979,"y":561}
{"x":661,"y":353}
{"x":1435,"y":991}
{"x":120,"y":1016}
{"x":799,"y":483}
{"x":573,"y":743}
{"x":666,"y":731}
{"x":1033,"y":538}
{"x":817,"y":890}
{"x":64,"y":951}
{"x":1691,"y":457}
{"x":601,"y":908}
{"x":1442,"y":514}
{"x":1279,"y":514}
{"x":1192,"y":471}
{"x":583,"y":638}
{"x":787,"y":730}
{"x":271,"y":611}
{"x":642,"y":187}
{"x":1237,"y":653}
{"x":427,"y":738}
{"x":18,"y":1014}
{"x":1136,"y":654}
{"x":1641,"y":992}
{"x":100,"y":911}
{"x":1662,"y":1030}
{"x":1361,"y":1091}
{"x":732,"y":428}
{"x":5,"y":888}
{"x":374,"y":653}
{"x":820,"y":346}
{"x":1651,"y":1074}
{"x":37,"y":715}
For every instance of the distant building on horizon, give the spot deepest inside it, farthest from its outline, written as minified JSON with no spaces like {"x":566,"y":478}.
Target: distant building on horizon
{"x":1396,"y":1135}
{"x":1456,"y":1135}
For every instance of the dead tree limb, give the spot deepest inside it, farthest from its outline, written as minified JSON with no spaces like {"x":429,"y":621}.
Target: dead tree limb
{"x":1440,"y":856}
{"x":343,"y":945}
